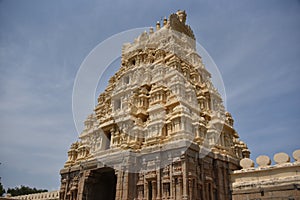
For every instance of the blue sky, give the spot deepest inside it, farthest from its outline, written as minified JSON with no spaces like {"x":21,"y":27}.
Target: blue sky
{"x":255,"y":44}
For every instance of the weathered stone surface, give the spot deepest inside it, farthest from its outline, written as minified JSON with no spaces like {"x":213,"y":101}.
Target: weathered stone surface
{"x":246,"y":163}
{"x":281,"y":158}
{"x":263,"y":161}
{"x":296,"y":155}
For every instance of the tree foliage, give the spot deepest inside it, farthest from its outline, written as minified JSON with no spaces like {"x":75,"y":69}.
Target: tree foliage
{"x":22,"y":190}
{"x":2,"y":190}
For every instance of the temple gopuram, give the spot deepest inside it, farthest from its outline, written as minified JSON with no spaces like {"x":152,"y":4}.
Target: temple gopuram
{"x":160,"y":129}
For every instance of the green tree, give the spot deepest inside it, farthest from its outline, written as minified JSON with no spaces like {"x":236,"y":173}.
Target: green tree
{"x":2,"y":190}
{"x":22,"y":190}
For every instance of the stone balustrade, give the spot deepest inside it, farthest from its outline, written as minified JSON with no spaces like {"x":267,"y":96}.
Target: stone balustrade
{"x":280,"y":179}
{"x":53,"y":195}
{"x":264,"y":161}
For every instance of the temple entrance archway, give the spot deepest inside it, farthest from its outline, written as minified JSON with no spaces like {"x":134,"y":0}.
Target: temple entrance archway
{"x":101,"y":185}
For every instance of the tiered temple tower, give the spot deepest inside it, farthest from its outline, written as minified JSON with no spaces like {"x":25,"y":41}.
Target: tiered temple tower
{"x":159,"y":131}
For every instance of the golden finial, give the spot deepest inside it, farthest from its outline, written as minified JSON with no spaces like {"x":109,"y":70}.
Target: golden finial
{"x":165,"y":21}
{"x":157,"y":25}
{"x":151,"y":30}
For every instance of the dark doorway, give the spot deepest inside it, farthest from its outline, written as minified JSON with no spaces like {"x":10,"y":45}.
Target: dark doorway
{"x":150,"y":190}
{"x":102,"y":185}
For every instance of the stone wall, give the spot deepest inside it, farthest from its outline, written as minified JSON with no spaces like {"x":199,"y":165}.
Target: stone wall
{"x":278,"y":181}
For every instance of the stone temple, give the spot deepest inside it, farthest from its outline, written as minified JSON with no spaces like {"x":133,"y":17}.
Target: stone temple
{"x":159,"y":130}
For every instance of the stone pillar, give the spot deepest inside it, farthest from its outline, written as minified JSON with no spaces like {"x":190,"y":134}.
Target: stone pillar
{"x":158,"y":184}
{"x":200,"y":191}
{"x":133,"y":189}
{"x":171,"y":182}
{"x":190,"y":188}
{"x":119,"y":184}
{"x":173,"y":189}
{"x":206,"y":191}
{"x":184,"y":179}
{"x":183,"y":121}
{"x":180,"y":193}
{"x":140,"y":192}
{"x":68,"y":182}
{"x":81,"y":182}
{"x":111,"y":142}
{"x":218,"y":183}
{"x":197,"y":131}
{"x":145,"y":189}
{"x":196,"y":189}
{"x":125,"y":189}
{"x":154,"y":189}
